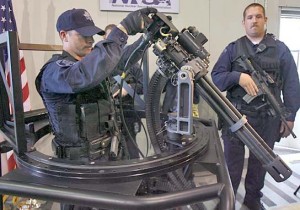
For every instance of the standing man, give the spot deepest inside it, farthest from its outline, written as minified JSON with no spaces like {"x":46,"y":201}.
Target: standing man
{"x":273,"y":57}
{"x":75,"y":89}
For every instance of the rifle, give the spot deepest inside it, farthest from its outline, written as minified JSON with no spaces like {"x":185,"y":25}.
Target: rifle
{"x":262,"y":79}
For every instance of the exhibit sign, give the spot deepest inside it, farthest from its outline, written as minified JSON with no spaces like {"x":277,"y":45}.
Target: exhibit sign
{"x":165,"y":6}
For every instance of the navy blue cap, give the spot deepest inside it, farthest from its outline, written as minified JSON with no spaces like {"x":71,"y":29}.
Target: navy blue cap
{"x":79,"y":20}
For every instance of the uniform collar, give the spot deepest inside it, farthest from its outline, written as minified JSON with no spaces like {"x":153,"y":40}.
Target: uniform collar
{"x":67,"y":55}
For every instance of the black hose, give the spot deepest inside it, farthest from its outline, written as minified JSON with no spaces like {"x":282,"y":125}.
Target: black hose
{"x":153,"y":111}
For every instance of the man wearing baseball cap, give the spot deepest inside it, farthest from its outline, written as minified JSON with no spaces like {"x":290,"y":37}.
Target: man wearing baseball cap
{"x":74,"y":86}
{"x":79,"y":20}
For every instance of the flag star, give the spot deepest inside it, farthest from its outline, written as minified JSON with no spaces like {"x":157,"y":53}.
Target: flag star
{"x":3,"y":19}
{"x":9,"y":9}
{"x":3,"y":7}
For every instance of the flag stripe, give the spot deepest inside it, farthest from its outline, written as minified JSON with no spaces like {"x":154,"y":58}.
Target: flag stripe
{"x":22,"y":62}
{"x":25,"y":93}
{"x":11,"y":162}
{"x":27,"y":105}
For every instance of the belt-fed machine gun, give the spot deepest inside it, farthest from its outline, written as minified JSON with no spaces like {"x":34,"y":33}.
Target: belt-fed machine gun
{"x":181,"y":143}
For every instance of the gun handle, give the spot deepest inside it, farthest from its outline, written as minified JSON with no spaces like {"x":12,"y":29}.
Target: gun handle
{"x":247,"y":98}
{"x":278,"y":169}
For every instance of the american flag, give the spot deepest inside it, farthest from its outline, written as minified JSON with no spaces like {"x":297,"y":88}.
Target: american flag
{"x":8,"y":23}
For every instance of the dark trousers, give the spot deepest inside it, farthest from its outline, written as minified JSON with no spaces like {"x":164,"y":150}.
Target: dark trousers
{"x":234,"y":151}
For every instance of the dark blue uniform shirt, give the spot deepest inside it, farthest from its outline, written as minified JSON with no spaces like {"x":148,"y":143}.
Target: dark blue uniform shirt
{"x":224,"y":77}
{"x":71,"y":76}
{"x":63,"y":76}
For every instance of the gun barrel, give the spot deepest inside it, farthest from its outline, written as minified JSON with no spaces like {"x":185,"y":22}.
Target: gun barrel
{"x":270,"y":161}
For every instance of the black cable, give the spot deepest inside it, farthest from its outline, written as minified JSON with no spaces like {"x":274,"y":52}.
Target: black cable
{"x":142,"y":44}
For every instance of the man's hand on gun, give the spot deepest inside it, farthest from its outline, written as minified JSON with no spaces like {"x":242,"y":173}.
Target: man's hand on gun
{"x":248,"y":84}
{"x":137,"y":21}
{"x":124,"y":93}
{"x":284,"y":131}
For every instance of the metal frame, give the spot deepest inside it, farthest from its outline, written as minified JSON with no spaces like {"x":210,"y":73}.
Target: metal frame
{"x":43,"y":177}
{"x":8,"y":43}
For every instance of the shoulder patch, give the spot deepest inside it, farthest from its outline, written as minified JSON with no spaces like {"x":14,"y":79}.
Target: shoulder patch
{"x":63,"y":63}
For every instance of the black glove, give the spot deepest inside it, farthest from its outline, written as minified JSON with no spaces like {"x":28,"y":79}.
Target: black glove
{"x":136,"y":21}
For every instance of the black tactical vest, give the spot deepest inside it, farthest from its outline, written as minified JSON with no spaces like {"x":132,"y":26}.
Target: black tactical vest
{"x":85,"y":121}
{"x":266,"y":56}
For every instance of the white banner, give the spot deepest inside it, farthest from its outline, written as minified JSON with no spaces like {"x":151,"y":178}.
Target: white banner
{"x":166,"y":6}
